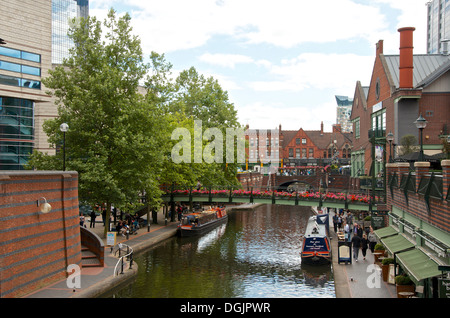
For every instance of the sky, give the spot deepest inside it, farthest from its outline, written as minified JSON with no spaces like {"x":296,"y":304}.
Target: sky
{"x":281,"y":62}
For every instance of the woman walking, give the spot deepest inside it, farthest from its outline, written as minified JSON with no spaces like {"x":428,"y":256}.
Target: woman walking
{"x":364,"y":244}
{"x":372,"y":239}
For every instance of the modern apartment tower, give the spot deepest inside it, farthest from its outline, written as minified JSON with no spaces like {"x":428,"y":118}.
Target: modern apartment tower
{"x":343,"y":113}
{"x":438,"y":26}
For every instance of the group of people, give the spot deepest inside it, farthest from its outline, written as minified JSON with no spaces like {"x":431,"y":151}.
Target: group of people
{"x":128,"y":226}
{"x":181,"y":208}
{"x":353,"y":232}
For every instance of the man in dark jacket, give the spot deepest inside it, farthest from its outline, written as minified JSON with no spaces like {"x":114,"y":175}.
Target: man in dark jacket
{"x":356,"y":243}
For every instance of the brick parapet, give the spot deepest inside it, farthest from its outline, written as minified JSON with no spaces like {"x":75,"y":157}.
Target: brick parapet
{"x":37,"y":247}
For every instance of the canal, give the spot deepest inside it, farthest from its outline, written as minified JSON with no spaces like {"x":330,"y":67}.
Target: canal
{"x":255,"y":255}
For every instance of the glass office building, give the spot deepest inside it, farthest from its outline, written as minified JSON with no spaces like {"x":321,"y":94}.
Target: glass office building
{"x":17,"y":114}
{"x":24,"y":59}
{"x":17,"y":131}
{"x":63,"y":12}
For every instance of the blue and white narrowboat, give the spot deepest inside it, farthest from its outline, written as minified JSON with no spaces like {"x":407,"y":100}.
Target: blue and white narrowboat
{"x":316,"y":248}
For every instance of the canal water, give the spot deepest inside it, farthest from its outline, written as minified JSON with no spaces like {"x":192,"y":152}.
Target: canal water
{"x":255,"y":255}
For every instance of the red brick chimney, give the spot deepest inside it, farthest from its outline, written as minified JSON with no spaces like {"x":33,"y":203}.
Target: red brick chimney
{"x":406,"y":57}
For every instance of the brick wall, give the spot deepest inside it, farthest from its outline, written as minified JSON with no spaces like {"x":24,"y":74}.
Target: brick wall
{"x":35,"y":247}
{"x":439,"y":213}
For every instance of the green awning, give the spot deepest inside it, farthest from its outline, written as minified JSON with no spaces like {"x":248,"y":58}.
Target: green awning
{"x":397,"y":243}
{"x":385,"y":232}
{"x":418,"y":265}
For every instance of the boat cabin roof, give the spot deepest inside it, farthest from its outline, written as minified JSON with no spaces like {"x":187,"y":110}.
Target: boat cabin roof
{"x":314,"y":229}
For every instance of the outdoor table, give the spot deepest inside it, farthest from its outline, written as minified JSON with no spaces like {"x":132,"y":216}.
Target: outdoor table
{"x":406,"y":294}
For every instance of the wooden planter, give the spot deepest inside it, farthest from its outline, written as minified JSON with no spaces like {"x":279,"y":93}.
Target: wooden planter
{"x":385,"y":271}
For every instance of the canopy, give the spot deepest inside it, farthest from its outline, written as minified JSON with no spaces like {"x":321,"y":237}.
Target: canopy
{"x":396,"y":243}
{"x":418,"y":265}
{"x":385,"y":232}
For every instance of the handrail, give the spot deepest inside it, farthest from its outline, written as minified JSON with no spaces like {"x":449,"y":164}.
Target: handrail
{"x":129,"y":255}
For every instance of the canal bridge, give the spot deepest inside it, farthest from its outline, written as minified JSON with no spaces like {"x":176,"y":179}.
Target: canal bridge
{"x":331,"y":198}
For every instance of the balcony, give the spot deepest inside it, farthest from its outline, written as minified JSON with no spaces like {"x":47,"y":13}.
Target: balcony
{"x":377,"y":133}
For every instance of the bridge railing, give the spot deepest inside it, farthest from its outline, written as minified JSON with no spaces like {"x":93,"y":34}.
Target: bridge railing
{"x":322,"y":195}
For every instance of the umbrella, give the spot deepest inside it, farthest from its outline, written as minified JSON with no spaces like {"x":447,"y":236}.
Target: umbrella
{"x":414,"y":156}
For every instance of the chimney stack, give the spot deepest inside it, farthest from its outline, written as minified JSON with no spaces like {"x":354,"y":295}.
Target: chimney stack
{"x":406,"y":57}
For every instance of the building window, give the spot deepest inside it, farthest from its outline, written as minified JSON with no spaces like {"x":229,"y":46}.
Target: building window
{"x":20,"y":82}
{"x":311,"y":153}
{"x":18,"y":54}
{"x":297,"y":141}
{"x":297,"y":153}
{"x":379,"y":123}
{"x":357,"y":128}
{"x":19,"y":68}
{"x":303,"y":152}
{"x":291,"y":153}
{"x":16,"y":132}
{"x":304,"y":141}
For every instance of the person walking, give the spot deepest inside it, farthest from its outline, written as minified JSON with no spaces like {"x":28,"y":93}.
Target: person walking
{"x":356,"y":243}
{"x":347,"y":232}
{"x":335,"y":222}
{"x":372,"y":239}
{"x":364,"y":245}
{"x":93,"y":216}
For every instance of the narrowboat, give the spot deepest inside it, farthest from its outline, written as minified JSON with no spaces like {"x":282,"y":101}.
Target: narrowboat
{"x":197,"y":223}
{"x":316,"y":248}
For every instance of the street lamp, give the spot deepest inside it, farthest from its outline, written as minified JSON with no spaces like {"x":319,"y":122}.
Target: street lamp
{"x":390,"y":138}
{"x":64,"y":128}
{"x":421,"y":123}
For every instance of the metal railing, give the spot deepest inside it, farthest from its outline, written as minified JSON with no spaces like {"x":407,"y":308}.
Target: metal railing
{"x":128,"y":256}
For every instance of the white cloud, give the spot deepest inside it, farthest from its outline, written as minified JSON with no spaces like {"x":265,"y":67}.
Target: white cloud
{"x":317,"y":70}
{"x":171,"y":25}
{"x":225,"y":60}
{"x":263,"y":115}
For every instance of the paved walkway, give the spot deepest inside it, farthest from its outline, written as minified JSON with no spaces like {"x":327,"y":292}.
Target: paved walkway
{"x":360,"y":279}
{"x":96,"y":281}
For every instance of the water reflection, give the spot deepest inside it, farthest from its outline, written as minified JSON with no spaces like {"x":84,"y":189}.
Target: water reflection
{"x":256,"y":254}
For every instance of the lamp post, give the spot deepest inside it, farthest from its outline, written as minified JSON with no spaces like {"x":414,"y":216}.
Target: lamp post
{"x":421,"y":123}
{"x":390,"y":139}
{"x":64,"y":128}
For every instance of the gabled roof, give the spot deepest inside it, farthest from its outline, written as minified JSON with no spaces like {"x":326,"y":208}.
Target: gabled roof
{"x":425,"y":66}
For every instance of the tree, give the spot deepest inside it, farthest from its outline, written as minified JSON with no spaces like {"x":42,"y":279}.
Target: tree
{"x":408,"y":145}
{"x":203,"y":99}
{"x":114,"y":132}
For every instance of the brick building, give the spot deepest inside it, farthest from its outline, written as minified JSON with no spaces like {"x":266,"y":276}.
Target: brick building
{"x":402,"y":87}
{"x":299,"y":148}
{"x":37,"y":247}
{"x":418,"y":235}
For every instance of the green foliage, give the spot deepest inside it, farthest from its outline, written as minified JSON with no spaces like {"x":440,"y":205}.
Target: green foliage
{"x":387,"y":261}
{"x":379,"y":247}
{"x":119,"y":138}
{"x":408,"y":145}
{"x":403,"y":280}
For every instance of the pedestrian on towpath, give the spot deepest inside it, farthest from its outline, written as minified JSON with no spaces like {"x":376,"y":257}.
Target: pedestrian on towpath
{"x":93,"y":216}
{"x":364,"y":245}
{"x":356,"y":243}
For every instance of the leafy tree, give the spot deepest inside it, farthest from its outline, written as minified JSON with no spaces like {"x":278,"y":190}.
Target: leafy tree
{"x":114,"y":133}
{"x":408,"y":145}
